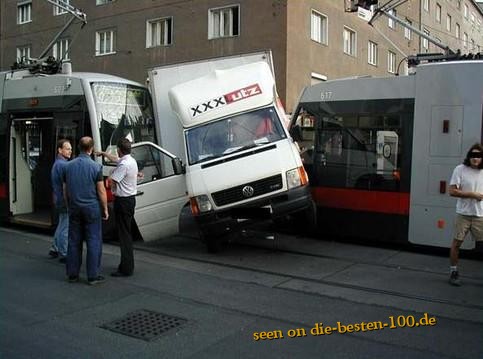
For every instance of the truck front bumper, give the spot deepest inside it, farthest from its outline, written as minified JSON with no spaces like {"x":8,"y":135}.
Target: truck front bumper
{"x":292,"y":201}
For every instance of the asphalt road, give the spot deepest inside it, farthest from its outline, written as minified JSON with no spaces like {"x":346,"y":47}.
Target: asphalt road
{"x":260,"y":298}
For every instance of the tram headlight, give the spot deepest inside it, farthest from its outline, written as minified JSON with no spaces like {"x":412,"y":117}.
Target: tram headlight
{"x":200,"y":204}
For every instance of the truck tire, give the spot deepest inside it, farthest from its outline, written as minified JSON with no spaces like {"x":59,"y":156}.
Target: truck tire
{"x":306,"y":220}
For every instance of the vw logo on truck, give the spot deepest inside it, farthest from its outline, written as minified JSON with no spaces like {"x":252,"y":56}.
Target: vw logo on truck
{"x":248,"y":191}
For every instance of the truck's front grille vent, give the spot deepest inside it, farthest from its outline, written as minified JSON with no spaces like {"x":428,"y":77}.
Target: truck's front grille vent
{"x":248,"y":190}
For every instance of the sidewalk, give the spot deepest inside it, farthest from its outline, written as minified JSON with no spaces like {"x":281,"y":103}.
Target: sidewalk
{"x":43,"y":316}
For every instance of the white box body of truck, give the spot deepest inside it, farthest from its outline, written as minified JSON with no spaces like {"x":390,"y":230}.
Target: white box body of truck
{"x":226,"y":123}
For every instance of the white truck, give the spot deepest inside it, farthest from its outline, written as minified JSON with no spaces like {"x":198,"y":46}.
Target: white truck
{"x":224,"y":119}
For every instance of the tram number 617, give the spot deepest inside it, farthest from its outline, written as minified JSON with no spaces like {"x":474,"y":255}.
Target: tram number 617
{"x":326,"y":95}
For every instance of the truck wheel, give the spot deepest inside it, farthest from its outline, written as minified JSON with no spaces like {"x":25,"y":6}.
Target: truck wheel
{"x":306,"y":220}
{"x":213,"y":242}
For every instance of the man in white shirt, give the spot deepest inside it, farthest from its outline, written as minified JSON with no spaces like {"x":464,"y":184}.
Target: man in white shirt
{"x":124,"y":188}
{"x":467,"y":184}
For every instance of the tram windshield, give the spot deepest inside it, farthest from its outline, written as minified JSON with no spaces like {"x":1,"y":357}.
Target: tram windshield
{"x":123,"y":111}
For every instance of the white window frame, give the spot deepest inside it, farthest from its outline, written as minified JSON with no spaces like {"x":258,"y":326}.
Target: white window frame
{"x":472,"y":17}
{"x":61,"y":47}
{"x":438,"y":13}
{"x":319,"y":27}
{"x":103,"y":2}
{"x":58,"y":10}
{"x":24,"y":12}
{"x":448,"y":22}
{"x":458,"y":4}
{"x":465,"y":39}
{"x":372,"y":53}
{"x":390,"y":22}
{"x":164,"y":33}
{"x":101,"y":40}
{"x":217,"y":30}
{"x":407,"y":30}
{"x":391,"y":62}
{"x":425,"y":41}
{"x":23,"y":51}
{"x":466,"y":11}
{"x":458,"y":31}
{"x":426,"y":5}
{"x":351,"y":42}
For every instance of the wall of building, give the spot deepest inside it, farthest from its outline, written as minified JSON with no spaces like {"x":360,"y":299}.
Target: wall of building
{"x":284,"y":26}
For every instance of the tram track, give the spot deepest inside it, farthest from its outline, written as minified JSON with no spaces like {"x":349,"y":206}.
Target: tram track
{"x":218,"y":261}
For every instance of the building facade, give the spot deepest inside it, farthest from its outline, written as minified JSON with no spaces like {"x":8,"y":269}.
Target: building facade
{"x":311,"y":40}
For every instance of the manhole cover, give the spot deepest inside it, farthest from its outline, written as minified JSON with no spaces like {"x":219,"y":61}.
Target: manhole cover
{"x":144,"y":324}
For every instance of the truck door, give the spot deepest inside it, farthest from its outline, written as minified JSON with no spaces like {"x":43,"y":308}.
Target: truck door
{"x":161,"y":193}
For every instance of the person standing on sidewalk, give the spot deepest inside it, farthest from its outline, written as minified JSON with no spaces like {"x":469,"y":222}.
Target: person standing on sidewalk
{"x":87,"y":202}
{"x":124,"y":187}
{"x":61,"y":235}
{"x":467,"y":184}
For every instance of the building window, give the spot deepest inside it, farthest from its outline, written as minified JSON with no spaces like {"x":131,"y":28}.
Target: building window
{"x":24,"y":12}
{"x":466,"y":11}
{"x":159,"y":32}
{"x":223,"y":22}
{"x":458,"y":4}
{"x":103,"y":2}
{"x":458,"y":31}
{"x":372,"y":53}
{"x":23,"y":54}
{"x":407,"y":30}
{"x":61,"y":49}
{"x":448,"y":22}
{"x":473,"y":45}
{"x":425,"y":41}
{"x":390,"y":22}
{"x":465,"y":39}
{"x":473,"y":17}
{"x":105,"y":42}
{"x":350,"y":41}
{"x":319,"y":27}
{"x":391,"y":62}
{"x":438,"y":13}
{"x":426,"y":5}
{"x":58,"y":10}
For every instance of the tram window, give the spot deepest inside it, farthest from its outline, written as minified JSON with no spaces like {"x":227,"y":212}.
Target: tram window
{"x":358,"y":151}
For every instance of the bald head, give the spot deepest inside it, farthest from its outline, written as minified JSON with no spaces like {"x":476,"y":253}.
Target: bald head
{"x":86,"y":144}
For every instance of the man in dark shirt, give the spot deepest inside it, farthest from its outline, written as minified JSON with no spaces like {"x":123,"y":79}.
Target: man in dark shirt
{"x":59,"y":246}
{"x":87,"y":203}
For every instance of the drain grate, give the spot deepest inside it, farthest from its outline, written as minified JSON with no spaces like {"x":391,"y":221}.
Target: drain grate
{"x":144,"y":324}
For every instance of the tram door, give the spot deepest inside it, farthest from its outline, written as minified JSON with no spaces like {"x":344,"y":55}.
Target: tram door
{"x":32,"y":154}
{"x":30,"y":162}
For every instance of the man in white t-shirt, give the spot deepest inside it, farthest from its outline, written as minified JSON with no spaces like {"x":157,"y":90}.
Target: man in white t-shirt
{"x":467,"y":184}
{"x":124,"y":188}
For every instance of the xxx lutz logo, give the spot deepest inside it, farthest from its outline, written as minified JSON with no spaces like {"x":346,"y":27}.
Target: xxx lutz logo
{"x":231,"y":97}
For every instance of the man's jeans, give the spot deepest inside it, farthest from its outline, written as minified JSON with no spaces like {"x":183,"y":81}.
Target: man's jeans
{"x":61,"y":235}
{"x":85,"y":224}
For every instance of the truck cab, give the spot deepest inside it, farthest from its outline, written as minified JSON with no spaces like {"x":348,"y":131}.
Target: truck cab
{"x":240,"y":159}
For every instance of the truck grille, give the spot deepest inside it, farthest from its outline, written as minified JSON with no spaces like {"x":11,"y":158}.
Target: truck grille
{"x":236,"y":194}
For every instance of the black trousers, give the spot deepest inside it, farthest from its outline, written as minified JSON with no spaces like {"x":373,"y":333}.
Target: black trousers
{"x":124,"y":212}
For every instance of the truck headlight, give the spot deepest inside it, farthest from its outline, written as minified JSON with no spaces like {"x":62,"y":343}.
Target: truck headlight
{"x":200,"y":204}
{"x":297,"y":177}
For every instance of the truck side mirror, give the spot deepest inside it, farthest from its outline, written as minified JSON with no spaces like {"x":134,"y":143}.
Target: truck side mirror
{"x":178,"y":166}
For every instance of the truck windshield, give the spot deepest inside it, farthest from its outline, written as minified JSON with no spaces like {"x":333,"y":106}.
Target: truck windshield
{"x":123,"y":111}
{"x":233,"y":134}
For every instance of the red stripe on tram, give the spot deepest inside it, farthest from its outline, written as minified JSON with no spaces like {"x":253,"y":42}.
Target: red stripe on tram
{"x":3,"y":190}
{"x":361,"y":200}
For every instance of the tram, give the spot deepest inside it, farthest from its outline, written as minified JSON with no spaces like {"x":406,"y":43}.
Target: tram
{"x":380,"y":152}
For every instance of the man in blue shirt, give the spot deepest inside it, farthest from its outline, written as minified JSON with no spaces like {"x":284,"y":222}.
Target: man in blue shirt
{"x":59,"y":246}
{"x":87,"y":203}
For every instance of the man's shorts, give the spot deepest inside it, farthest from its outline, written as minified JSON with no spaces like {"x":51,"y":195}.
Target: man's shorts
{"x":465,"y":224}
